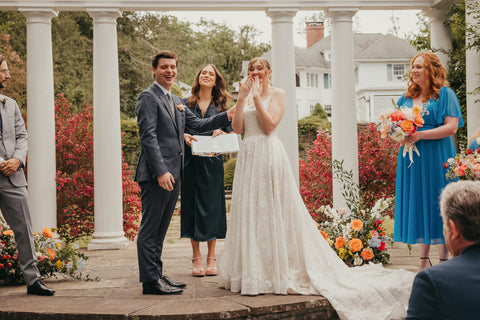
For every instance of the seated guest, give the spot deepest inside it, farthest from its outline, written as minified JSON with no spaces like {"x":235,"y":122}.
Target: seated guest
{"x":450,"y":290}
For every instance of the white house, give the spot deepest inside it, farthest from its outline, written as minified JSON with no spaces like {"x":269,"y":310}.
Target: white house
{"x":381,"y":64}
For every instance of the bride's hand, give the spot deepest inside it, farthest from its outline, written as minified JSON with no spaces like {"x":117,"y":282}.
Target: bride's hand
{"x":257,"y":87}
{"x":245,"y":88}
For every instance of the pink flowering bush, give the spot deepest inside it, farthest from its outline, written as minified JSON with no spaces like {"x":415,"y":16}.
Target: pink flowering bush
{"x":74,"y":142}
{"x":377,"y":166}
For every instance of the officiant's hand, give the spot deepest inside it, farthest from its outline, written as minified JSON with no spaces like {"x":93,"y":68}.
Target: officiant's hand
{"x":217,"y":132}
{"x":188,"y":139}
{"x":166,"y":181}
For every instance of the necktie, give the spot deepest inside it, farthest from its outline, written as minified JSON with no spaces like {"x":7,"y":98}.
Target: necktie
{"x":170,"y":101}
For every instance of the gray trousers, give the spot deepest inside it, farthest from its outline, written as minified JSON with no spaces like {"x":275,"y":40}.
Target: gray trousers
{"x":14,"y":207}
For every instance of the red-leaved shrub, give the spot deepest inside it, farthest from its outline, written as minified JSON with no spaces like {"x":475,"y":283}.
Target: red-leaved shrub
{"x":377,"y":159}
{"x":74,"y":156}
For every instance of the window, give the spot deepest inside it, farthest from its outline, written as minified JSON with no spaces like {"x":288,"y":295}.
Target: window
{"x":327,"y":81}
{"x":297,"y":80}
{"x":312,"y":80}
{"x":395,"y":72}
{"x":328,"y":109}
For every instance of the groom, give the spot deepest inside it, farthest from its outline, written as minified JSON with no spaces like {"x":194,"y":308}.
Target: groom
{"x":161,"y":120}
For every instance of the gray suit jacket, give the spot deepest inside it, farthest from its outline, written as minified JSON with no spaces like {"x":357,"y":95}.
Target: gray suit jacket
{"x":161,"y":133}
{"x":14,"y":138}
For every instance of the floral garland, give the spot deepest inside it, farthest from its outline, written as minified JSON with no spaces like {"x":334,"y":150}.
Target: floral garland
{"x":465,"y":165}
{"x":357,"y":233}
{"x":53,"y":256}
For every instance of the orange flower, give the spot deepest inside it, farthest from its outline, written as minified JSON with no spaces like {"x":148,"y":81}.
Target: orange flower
{"x":397,"y":115}
{"x":355,"y":244}
{"x":51,"y":254}
{"x":419,"y":120}
{"x":367,"y":254}
{"x":407,"y":126}
{"x":47,"y":233}
{"x":416,"y":109}
{"x":339,"y":243}
{"x":8,"y":233}
{"x":324,"y":234}
{"x":356,"y":225}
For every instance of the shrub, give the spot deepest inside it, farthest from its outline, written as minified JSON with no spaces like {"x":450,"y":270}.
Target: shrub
{"x":74,"y":156}
{"x":229,"y":172}
{"x":377,"y":167}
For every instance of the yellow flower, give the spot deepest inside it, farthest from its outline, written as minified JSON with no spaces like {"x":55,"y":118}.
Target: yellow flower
{"x":416,"y":109}
{"x":356,"y":225}
{"x":47,"y":233}
{"x":59,"y":264}
{"x":58,"y":244}
{"x":342,"y":252}
{"x":8,"y":233}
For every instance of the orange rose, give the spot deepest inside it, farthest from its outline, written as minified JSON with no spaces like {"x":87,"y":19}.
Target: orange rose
{"x":407,"y":126}
{"x":397,"y":115}
{"x":339,"y":243}
{"x":47,"y":233}
{"x":367,"y":254}
{"x":356,"y":225}
{"x":355,"y":244}
{"x":419,"y":120}
{"x":8,"y":233}
{"x":51,"y":254}
{"x":324,"y":234}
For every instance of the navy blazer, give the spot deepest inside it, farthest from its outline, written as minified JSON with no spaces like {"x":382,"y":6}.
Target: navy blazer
{"x":161,"y":133}
{"x":449,"y":290}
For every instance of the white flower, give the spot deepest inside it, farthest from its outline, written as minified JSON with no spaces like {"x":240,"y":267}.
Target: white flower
{"x":358,"y":260}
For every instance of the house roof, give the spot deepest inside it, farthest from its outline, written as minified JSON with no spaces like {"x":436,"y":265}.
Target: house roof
{"x":366,"y":46}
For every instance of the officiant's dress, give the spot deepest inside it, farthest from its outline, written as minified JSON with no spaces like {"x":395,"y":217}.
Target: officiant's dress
{"x":273,"y":245}
{"x":203,"y":216}
{"x":419,"y":184}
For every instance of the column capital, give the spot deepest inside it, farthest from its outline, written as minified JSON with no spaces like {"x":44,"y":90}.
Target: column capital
{"x":104,"y":15}
{"x":435,"y":14}
{"x":39,"y":15}
{"x":341,"y":14}
{"x":279,"y":15}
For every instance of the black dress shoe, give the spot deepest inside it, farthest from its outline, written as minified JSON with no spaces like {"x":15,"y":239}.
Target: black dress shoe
{"x":159,"y":287}
{"x":177,"y":284}
{"x":40,"y":289}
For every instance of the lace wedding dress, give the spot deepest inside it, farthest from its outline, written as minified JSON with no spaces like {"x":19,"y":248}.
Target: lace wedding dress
{"x":273,"y":245}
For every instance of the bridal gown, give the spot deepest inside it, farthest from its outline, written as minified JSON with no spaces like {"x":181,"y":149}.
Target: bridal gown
{"x":273,"y":245}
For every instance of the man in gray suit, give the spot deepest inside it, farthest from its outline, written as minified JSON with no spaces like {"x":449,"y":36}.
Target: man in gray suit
{"x":13,"y":191}
{"x":161,"y":120}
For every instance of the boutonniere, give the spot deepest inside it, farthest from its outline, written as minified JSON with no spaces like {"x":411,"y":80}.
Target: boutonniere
{"x":180,"y":107}
{"x":4,"y":100}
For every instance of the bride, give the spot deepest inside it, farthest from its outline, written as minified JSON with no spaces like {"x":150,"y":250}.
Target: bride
{"x":272,"y":243}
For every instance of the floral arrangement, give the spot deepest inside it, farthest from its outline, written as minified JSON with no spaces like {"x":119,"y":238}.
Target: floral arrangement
{"x":53,"y":256}
{"x":401,"y":123}
{"x":356,"y":235}
{"x":465,"y":166}
{"x":181,"y":107}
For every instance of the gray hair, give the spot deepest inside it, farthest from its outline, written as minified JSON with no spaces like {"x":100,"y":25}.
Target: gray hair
{"x":460,"y":202}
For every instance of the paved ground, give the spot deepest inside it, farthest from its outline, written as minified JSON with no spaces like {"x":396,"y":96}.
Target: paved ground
{"x":118,"y":295}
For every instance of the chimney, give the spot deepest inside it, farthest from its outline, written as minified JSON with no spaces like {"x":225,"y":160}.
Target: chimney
{"x":315,"y":32}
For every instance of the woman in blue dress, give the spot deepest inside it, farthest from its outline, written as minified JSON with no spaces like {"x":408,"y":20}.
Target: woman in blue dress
{"x":203,"y":213}
{"x":419,"y":184}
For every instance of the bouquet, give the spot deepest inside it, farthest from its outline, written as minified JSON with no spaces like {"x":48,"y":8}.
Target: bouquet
{"x":402,"y":123}
{"x":465,"y":166}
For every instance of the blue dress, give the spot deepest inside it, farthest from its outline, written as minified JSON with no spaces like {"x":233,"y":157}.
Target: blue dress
{"x":475,"y":144}
{"x":203,"y":212}
{"x":418,"y":185}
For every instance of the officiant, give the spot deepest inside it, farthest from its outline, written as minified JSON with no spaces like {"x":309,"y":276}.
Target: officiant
{"x":203,"y":213}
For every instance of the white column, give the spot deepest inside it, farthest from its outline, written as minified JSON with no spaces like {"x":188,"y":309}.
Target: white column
{"x":107,"y":155}
{"x":440,"y":34}
{"x":283,"y":76}
{"x":473,"y":72}
{"x":344,"y":114}
{"x":41,"y":119}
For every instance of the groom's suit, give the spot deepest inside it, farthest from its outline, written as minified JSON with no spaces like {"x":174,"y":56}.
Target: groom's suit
{"x":449,"y":290}
{"x":13,"y":192}
{"x":162,"y":145}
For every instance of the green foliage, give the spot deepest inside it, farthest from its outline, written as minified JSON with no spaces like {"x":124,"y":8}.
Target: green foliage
{"x":229,"y":172}
{"x":317,"y":120}
{"x":131,"y":141}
